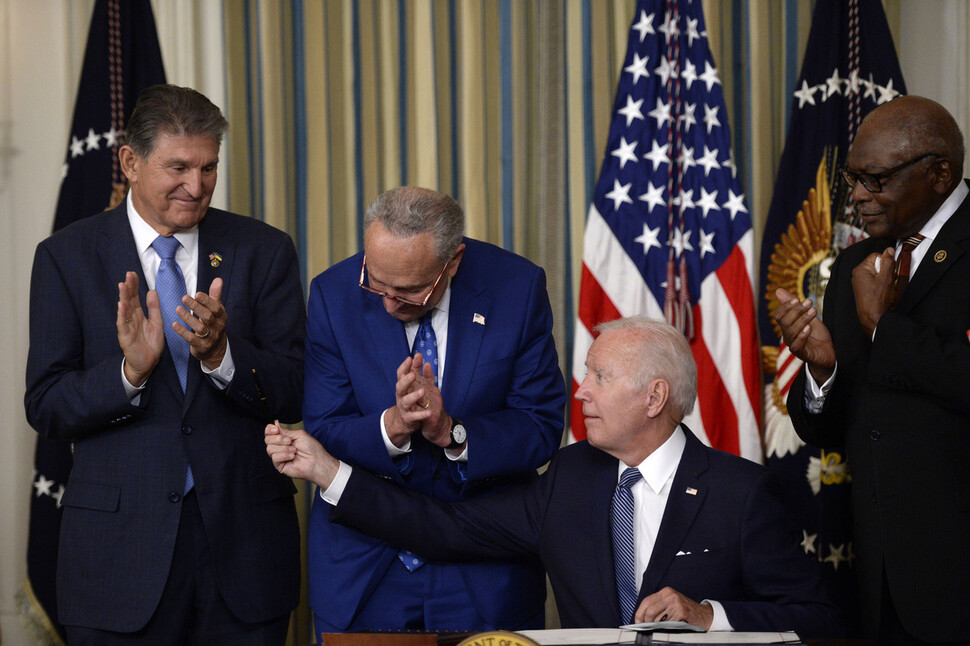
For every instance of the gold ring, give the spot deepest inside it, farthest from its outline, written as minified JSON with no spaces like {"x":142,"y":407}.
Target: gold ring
{"x":427,"y":405}
{"x":128,"y":320}
{"x":202,"y":336}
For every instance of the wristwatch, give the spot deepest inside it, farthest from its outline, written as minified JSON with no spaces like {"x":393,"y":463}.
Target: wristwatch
{"x":458,"y":434}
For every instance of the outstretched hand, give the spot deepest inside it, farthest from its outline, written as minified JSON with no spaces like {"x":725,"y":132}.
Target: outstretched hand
{"x":298,"y":455}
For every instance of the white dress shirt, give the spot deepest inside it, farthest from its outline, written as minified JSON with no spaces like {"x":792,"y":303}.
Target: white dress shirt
{"x":187,"y":258}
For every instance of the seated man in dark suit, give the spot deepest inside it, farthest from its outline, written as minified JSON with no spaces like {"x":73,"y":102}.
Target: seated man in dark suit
{"x":641,"y":522}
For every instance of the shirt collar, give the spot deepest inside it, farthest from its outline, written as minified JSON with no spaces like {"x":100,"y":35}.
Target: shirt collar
{"x":932,"y":227}
{"x":660,"y":465}
{"x":145,"y":235}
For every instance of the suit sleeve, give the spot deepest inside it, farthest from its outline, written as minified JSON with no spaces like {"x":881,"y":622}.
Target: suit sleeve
{"x":784,"y":587}
{"x":505,"y":525}
{"x":331,"y":411}
{"x":268,"y":382}
{"x":825,"y":429}
{"x":525,"y":432}
{"x":74,"y":385}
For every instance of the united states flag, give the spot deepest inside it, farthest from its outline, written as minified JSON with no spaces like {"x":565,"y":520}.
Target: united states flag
{"x":668,"y":233}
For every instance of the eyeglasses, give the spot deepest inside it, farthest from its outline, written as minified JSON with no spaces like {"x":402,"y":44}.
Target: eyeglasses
{"x":405,"y":301}
{"x":873,"y":182}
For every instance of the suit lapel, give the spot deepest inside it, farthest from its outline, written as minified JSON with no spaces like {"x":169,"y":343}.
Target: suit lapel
{"x":470,"y":302}
{"x":948,"y":247}
{"x":687,"y":493}
{"x":381,"y":325}
{"x":216,"y":258}
{"x":602,"y":485}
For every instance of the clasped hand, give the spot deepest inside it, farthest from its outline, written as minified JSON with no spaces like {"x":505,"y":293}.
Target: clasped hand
{"x":418,"y":405}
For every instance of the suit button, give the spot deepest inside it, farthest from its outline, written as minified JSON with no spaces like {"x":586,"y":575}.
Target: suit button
{"x":186,"y":430}
{"x":873,"y":497}
{"x":174,"y":496}
{"x":874,"y":435}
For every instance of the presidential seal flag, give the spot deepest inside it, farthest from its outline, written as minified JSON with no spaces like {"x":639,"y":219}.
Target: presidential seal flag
{"x":849,"y":68}
{"x":122,"y":58}
{"x":668,"y":234}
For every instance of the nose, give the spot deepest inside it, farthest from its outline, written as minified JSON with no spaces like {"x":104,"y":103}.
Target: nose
{"x":859,"y":193}
{"x":193,"y":183}
{"x":582,"y":393}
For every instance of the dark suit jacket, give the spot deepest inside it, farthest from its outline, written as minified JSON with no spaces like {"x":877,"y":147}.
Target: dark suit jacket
{"x":501,"y":379}
{"x":901,"y":405}
{"x":724,"y":536}
{"x":123,"y":499}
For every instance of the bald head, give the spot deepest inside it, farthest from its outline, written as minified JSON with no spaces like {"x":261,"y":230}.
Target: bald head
{"x":917,"y":125}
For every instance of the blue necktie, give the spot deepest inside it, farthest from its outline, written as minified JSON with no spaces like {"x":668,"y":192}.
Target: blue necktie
{"x":170,"y":285}
{"x":624,"y":556}
{"x":427,"y":344}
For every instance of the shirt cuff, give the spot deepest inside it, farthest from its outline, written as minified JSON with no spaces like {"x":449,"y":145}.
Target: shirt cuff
{"x":814,"y":394}
{"x":720,"y":622}
{"x":133,"y":392}
{"x":222,"y":375}
{"x":333,"y":493}
{"x":393,"y":451}
{"x":458,"y":456}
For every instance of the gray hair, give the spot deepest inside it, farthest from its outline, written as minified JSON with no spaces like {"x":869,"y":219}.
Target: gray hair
{"x":661,"y":353}
{"x":407,"y":211}
{"x":172,"y":110}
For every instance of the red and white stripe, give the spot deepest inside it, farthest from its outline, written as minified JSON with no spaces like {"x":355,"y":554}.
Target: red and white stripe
{"x":727,"y":414}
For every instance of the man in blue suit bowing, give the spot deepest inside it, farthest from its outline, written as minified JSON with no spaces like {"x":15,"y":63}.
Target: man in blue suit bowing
{"x":640,"y":523}
{"x":429,"y":361}
{"x":176,"y":528}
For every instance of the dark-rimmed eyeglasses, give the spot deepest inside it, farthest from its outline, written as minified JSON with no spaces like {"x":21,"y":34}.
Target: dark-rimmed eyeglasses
{"x":399,"y":299}
{"x":872,"y":182}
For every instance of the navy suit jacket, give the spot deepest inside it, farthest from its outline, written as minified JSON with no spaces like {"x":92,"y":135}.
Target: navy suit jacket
{"x":123,"y":498}
{"x":724,"y":536}
{"x":501,"y":379}
{"x":901,"y":405}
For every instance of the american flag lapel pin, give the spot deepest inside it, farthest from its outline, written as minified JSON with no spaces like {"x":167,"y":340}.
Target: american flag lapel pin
{"x":215,"y":259}
{"x":691,"y":491}
{"x":478,"y":318}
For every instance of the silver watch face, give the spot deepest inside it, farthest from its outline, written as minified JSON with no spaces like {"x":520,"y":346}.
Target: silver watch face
{"x":458,"y":434}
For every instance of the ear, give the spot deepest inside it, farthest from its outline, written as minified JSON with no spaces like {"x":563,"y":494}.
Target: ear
{"x":456,"y":260}
{"x":129,"y":163}
{"x":658,"y":392}
{"x":942,"y":175}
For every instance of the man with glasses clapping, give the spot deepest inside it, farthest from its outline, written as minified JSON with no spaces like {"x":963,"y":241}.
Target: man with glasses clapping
{"x":429,"y":361}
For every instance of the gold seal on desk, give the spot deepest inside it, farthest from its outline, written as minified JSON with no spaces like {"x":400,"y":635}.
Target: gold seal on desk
{"x":497,"y":638}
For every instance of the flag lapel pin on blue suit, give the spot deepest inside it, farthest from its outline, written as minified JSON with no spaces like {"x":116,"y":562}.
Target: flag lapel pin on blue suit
{"x":691,"y":491}
{"x":478,"y":318}
{"x":215,"y":259}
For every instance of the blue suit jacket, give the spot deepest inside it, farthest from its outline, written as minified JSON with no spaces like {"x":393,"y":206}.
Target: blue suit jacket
{"x":123,"y":499}
{"x":501,"y":379}
{"x":724,"y":536}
